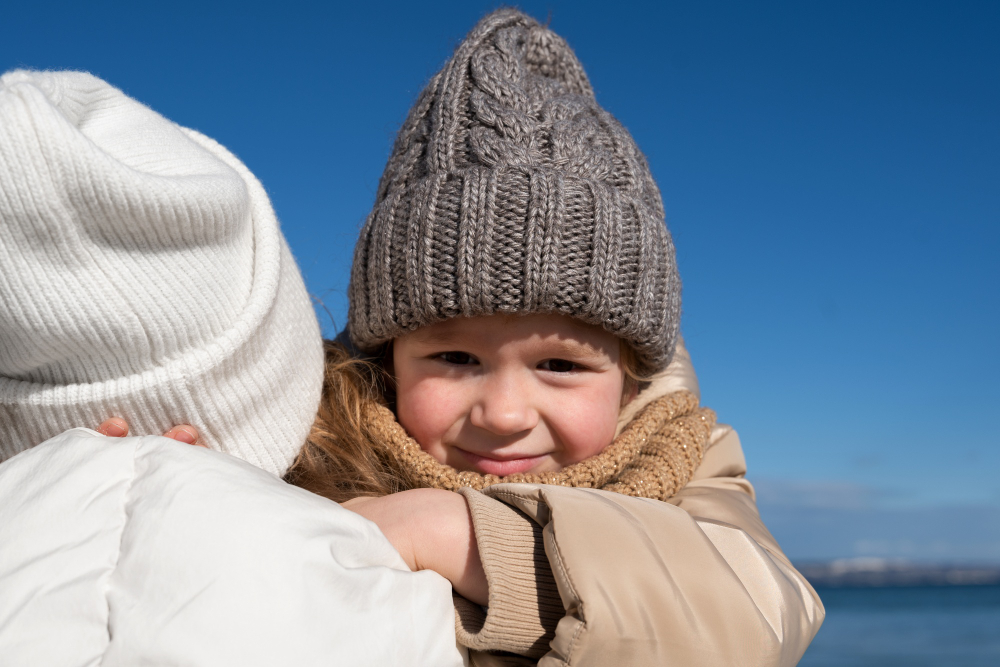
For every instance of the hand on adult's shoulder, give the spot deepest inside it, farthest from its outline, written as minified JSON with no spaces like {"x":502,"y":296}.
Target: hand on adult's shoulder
{"x":432,"y":530}
{"x":116,"y":427}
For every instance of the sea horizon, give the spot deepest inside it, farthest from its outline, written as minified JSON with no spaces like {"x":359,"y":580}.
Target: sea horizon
{"x":868,"y":572}
{"x":886,"y":613}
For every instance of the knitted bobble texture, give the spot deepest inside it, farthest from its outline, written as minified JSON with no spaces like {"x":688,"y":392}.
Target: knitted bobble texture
{"x":510,"y":190}
{"x":142,"y":275}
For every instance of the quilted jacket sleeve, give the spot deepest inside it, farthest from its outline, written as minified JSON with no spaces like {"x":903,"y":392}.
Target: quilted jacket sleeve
{"x":696,"y":581}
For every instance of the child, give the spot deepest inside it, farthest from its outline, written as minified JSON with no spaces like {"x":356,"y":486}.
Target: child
{"x":517,"y":285}
{"x":515,"y":294}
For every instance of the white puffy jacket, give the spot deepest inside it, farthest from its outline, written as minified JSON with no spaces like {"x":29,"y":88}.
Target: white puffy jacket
{"x":142,"y":551}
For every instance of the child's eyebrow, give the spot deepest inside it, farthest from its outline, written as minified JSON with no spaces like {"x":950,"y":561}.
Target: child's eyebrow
{"x":574,"y":348}
{"x":440,"y":337}
{"x":560,"y":347}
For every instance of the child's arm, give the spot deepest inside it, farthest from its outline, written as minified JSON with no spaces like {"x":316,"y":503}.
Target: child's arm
{"x":695,"y":581}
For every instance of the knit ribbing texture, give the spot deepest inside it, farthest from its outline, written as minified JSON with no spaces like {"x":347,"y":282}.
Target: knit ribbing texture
{"x":654,"y":457}
{"x":143,"y":275}
{"x":502,"y":533}
{"x":510,"y":190}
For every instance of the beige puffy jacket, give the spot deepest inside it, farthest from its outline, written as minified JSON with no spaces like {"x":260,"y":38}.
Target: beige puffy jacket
{"x":587,"y":577}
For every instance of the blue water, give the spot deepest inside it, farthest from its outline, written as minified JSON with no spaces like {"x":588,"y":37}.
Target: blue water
{"x":952,"y":626}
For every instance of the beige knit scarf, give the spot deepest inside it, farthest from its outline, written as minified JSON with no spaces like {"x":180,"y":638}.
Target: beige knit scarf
{"x":653,"y":457}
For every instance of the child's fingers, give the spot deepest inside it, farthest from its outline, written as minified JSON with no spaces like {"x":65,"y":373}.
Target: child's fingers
{"x":184,"y":433}
{"x":115,"y":427}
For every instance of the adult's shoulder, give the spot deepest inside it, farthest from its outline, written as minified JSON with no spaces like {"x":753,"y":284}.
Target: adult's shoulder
{"x":144,"y":550}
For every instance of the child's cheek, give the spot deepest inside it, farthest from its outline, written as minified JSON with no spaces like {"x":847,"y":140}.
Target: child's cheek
{"x":429,"y":410}
{"x":587,"y":423}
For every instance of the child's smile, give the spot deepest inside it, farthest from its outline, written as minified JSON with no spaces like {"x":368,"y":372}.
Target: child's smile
{"x":509,"y":394}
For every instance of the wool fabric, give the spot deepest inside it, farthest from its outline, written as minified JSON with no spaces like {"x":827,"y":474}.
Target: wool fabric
{"x":510,"y":190}
{"x":143,"y":275}
{"x":653,"y":457}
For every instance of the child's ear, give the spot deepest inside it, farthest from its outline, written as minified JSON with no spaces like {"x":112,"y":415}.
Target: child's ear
{"x":630,"y":390}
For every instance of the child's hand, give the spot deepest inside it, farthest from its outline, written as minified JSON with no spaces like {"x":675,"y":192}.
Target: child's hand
{"x":118,"y":428}
{"x":432,"y":530}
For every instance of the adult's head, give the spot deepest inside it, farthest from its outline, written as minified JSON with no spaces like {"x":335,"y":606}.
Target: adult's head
{"x":143,"y":275}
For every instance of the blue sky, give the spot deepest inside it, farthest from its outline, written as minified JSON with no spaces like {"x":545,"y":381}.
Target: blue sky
{"x":830,"y":173}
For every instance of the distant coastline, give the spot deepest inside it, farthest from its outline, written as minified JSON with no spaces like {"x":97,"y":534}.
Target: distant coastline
{"x":886,"y":573}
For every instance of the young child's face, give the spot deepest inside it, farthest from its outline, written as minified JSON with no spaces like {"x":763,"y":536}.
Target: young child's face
{"x":508,"y":394}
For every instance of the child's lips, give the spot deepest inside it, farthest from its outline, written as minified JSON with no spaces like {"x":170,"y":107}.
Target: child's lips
{"x":501,"y":467}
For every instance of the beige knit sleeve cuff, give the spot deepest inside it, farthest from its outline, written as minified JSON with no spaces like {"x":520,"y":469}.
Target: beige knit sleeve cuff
{"x":524,"y":601}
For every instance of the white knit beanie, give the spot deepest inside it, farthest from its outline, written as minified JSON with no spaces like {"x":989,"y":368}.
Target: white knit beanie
{"x":143,"y":275}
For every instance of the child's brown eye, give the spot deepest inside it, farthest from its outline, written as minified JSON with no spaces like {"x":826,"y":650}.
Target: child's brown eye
{"x":558,"y":365}
{"x":457,"y":358}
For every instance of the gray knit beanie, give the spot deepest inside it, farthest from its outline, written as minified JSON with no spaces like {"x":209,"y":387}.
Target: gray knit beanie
{"x":510,"y":190}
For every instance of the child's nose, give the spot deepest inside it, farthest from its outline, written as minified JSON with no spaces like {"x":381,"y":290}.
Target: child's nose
{"x":504,"y":409}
